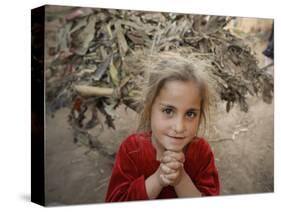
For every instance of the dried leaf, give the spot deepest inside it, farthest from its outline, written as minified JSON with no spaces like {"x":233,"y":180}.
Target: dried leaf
{"x":114,"y":74}
{"x":78,"y":24}
{"x":87,"y":71}
{"x":83,"y":38}
{"x":122,"y":43}
{"x":153,"y":18}
{"x":102,"y":68}
{"x":109,"y":119}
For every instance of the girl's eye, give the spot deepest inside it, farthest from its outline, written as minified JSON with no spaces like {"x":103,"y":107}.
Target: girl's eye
{"x":191,"y":115}
{"x":167,"y":111}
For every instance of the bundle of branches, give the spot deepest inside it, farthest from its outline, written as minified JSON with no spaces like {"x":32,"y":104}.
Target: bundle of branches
{"x":92,"y":62}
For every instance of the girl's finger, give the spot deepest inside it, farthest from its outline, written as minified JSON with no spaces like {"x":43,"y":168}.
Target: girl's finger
{"x":167,"y":159}
{"x":175,"y":165}
{"x":164,"y":180}
{"x":172,"y":177}
{"x":165,"y":169}
{"x":179,"y":156}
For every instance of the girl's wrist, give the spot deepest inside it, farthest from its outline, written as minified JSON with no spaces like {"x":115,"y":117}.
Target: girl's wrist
{"x":153,"y":185}
{"x":182,"y":171}
{"x":159,"y":180}
{"x":183,"y":175}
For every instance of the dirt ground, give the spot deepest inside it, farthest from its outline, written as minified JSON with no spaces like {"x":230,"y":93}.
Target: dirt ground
{"x":243,"y":144}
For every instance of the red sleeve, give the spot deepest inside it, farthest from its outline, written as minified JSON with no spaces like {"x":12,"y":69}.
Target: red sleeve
{"x":207,"y":179}
{"x":126,"y":183}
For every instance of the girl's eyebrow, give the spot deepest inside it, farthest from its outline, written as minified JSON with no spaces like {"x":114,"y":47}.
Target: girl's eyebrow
{"x":193,"y":109}
{"x":171,"y":106}
{"x":167,"y":105}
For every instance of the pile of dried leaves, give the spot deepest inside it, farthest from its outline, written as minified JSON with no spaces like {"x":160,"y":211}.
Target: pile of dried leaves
{"x":92,"y":63}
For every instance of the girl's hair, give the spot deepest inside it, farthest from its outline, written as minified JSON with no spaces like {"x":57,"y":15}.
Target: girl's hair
{"x":169,"y":66}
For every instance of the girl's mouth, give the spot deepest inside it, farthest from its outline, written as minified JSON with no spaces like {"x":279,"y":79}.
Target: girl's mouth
{"x":176,"y":137}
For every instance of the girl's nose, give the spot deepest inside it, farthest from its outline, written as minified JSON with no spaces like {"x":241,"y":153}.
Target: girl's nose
{"x":179,"y":126}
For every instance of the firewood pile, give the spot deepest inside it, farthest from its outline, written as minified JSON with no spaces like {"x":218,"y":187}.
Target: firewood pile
{"x":94,"y":60}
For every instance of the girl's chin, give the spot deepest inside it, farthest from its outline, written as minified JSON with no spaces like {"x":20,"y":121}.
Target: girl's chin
{"x":174,"y":148}
{"x":168,"y":143}
{"x":174,"y":144}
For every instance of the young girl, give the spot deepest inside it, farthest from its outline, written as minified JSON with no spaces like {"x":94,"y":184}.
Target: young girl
{"x":167,"y":160}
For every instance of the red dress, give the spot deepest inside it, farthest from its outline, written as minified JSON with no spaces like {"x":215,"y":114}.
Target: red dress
{"x":136,"y":161}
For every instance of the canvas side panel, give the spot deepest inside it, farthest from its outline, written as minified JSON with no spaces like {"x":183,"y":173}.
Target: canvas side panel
{"x":37,"y":106}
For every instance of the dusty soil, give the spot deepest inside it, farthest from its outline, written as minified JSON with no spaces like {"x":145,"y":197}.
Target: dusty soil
{"x":243,"y":144}
{"x":74,"y":173}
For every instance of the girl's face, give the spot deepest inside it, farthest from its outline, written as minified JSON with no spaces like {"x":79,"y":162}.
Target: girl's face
{"x":175,"y":116}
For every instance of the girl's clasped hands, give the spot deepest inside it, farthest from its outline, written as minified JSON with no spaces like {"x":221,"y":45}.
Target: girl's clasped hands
{"x":171,"y":168}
